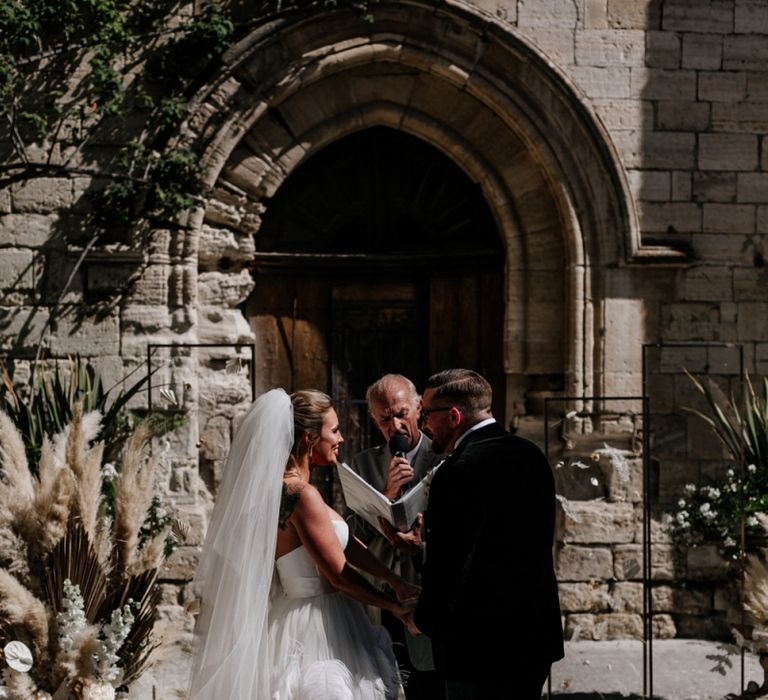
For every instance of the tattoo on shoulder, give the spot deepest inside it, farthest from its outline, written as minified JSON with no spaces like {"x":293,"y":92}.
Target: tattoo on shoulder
{"x":288,"y":500}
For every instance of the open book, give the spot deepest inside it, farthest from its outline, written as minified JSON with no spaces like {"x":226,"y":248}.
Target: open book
{"x":369,"y":503}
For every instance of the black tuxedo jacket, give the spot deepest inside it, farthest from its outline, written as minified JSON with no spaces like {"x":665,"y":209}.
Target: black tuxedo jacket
{"x":488,"y":570}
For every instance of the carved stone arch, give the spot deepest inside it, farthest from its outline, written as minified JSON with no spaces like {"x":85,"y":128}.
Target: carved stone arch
{"x":477,"y":91}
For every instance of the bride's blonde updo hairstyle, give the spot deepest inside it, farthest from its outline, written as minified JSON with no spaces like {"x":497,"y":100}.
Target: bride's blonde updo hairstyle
{"x":309,"y":409}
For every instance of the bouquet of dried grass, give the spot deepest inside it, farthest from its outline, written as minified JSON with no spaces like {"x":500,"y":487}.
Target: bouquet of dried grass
{"x":77,"y":585}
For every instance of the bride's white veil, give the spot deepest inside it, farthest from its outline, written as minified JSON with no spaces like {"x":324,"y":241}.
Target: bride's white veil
{"x":234,"y":575}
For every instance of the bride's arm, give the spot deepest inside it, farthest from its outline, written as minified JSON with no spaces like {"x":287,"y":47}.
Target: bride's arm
{"x":313,"y":524}
{"x":360,"y":556}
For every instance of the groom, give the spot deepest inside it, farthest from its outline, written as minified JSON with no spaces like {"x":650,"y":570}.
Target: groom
{"x":489,"y":527}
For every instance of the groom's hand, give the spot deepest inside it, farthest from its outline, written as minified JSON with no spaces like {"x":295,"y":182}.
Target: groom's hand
{"x":407,"y":542}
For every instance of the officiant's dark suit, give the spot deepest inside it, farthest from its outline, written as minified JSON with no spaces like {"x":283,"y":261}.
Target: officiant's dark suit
{"x":489,"y":600}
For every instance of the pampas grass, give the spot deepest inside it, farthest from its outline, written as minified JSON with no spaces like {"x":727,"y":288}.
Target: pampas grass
{"x":55,"y":533}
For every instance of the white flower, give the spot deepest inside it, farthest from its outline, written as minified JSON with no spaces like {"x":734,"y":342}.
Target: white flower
{"x":752,"y":468}
{"x":690,"y":489}
{"x":115,"y":634}
{"x":734,"y":488}
{"x":71,"y":619}
{"x":752,"y":521}
{"x":109,"y":472}
{"x":730,"y":473}
{"x":729,"y":542}
{"x":681,"y":503}
{"x":681,"y":517}
{"x":685,"y":525}
{"x":594,"y":481}
{"x":18,"y":656}
{"x":704,"y":508}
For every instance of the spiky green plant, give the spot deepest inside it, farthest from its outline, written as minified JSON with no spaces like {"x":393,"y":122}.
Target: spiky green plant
{"x":54,"y":397}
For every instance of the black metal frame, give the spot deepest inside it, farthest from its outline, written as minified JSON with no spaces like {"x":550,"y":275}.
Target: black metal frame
{"x":647,"y":581}
{"x":151,"y":347}
{"x":643,"y":399}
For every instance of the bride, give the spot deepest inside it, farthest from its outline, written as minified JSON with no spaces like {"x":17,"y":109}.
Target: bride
{"x":278,"y":619}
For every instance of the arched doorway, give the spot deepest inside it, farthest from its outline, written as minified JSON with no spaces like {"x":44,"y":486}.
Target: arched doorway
{"x":377,"y":254}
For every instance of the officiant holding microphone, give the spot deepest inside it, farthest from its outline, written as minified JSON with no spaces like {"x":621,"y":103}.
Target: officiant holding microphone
{"x":392,"y":468}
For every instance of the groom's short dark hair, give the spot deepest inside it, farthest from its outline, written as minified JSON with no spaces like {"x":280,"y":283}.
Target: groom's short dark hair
{"x":463,"y":388}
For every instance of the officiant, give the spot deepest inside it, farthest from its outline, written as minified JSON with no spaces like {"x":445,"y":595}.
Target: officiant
{"x":393,"y":467}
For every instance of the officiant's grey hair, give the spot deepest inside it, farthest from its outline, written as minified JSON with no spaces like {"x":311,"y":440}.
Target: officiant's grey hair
{"x":390,"y":382}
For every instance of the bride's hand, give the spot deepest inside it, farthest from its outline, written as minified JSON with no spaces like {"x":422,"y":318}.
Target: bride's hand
{"x":407,"y":593}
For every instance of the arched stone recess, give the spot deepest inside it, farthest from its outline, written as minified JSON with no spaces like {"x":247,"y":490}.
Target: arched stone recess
{"x":471,"y":87}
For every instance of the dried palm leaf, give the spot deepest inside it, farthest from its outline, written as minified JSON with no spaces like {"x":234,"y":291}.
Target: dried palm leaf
{"x":20,"y":609}
{"x":74,"y":558}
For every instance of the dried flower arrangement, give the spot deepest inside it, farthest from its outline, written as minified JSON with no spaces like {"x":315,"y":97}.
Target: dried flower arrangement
{"x":77,"y":582}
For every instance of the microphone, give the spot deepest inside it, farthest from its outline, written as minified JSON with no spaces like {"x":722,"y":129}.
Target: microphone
{"x":398,"y":447}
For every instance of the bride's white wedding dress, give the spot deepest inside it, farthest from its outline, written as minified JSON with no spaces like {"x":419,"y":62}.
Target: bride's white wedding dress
{"x":322,"y":644}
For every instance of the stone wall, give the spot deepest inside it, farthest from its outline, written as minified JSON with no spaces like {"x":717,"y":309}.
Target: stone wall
{"x":675,"y":93}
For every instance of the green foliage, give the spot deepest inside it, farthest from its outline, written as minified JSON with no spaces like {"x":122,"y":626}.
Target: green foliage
{"x":56,"y":394}
{"x":715,"y":513}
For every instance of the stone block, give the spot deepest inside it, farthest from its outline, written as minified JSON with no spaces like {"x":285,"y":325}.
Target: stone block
{"x":26,"y":230}
{"x":745,"y":52}
{"x":702,"y":51}
{"x":498,"y":8}
{"x":218,"y":325}
{"x":729,"y":218}
{"x":660,"y":150}
{"x":727,"y":152}
{"x":598,"y":522}
{"x":5,"y":200}
{"x":722,"y":86}
{"x":16,"y":269}
{"x":677,"y":216}
{"x":624,"y":115}
{"x":714,"y":187}
{"x":604,"y":627}
{"x":690,"y":321}
{"x":610,"y":48}
{"x":702,"y":442}
{"x":215,"y":438}
{"x":715,"y":16}
{"x":681,"y":186}
{"x":86,"y":331}
{"x":578,"y":563}
{"x":751,"y":17}
{"x":666,"y":563}
{"x":663,"y":627}
{"x":662,"y":50}
{"x":752,"y":187}
{"x":661,"y":393}
{"x":42,"y":195}
{"x":703,"y":627}
{"x":597,"y":82}
{"x":632,"y":14}
{"x":762,"y":221}
{"x":761,"y":358}
{"x":706,"y":283}
{"x":627,"y":597}
{"x":556,"y":44}
{"x":705,"y":563}
{"x":724,"y":360}
{"x":181,"y":565}
{"x":596,"y":14}
{"x":619,"y":489}
{"x":584,"y":597}
{"x":757,"y":87}
{"x":217,"y":244}
{"x":649,"y":185}
{"x":225,"y":391}
{"x":745,"y":117}
{"x":688,"y":601}
{"x":681,"y":115}
{"x":21,"y":329}
{"x":662,"y":84}
{"x":546,"y":13}
{"x":752,"y":322}
{"x":750,"y":284}
{"x":224,"y":288}
{"x":150,"y":288}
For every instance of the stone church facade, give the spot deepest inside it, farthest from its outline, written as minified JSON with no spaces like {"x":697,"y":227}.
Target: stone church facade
{"x":610,"y":192}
